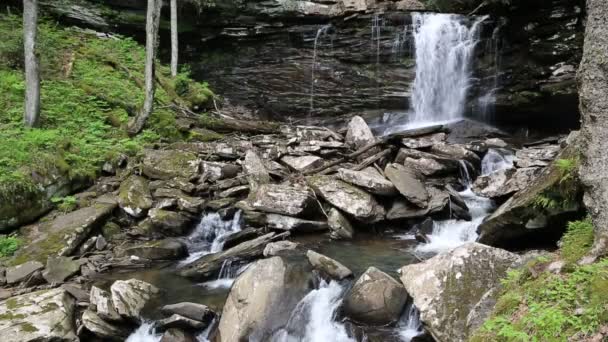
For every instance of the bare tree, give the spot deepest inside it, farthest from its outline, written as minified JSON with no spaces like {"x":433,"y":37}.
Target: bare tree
{"x":32,"y":73}
{"x":152,"y":24}
{"x":174,"y":38}
{"x":593,"y":92}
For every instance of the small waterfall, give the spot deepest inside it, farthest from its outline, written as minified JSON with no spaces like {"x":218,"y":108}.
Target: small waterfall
{"x":453,"y":233}
{"x":485,"y":103}
{"x":410,"y":325}
{"x":313,"y":319}
{"x":210,"y":235}
{"x":320,"y":33}
{"x":228,"y":273}
{"x":445,"y":47}
{"x":145,"y":333}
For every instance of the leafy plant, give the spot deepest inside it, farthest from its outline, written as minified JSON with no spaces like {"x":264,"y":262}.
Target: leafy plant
{"x":65,"y":204}
{"x":9,"y":245}
{"x":577,"y":240}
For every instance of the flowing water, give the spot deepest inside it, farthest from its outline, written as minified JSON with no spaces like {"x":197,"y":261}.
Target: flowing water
{"x":321,"y":32}
{"x":410,"y":325}
{"x":450,"y":234}
{"x":210,"y":235}
{"x":145,"y":333}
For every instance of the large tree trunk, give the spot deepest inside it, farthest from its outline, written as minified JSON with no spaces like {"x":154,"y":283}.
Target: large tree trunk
{"x":32,"y":75}
{"x":152,"y":23}
{"x":593,"y":89}
{"x":174,"y":38}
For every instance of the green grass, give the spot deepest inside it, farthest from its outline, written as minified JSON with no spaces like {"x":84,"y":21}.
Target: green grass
{"x":9,"y":245}
{"x":544,"y":306}
{"x":90,"y":89}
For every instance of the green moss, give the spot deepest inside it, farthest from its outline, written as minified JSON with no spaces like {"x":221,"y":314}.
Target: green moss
{"x":204,"y":135}
{"x":28,"y":327}
{"x":9,"y":245}
{"x":10,"y":316}
{"x":11,"y":304}
{"x":577,"y":240}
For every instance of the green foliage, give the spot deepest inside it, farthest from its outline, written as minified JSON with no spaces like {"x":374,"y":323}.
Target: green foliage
{"x":90,"y":88}
{"x":9,"y":245}
{"x":550,"y":307}
{"x":565,"y":193}
{"x":65,"y":204}
{"x":577,"y":240}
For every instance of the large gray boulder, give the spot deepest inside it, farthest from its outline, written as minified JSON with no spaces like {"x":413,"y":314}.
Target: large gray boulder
{"x":359,"y":134}
{"x":408,"y":184}
{"x":101,"y":302}
{"x":448,"y":286}
{"x":46,"y":315}
{"x":328,"y":266}
{"x":130,"y":296}
{"x":369,"y":179}
{"x":166,"y":249}
{"x":403,"y":209}
{"x":255,"y":170}
{"x":168,"y":164}
{"x":134,"y":196}
{"x":59,"y":268}
{"x":375,"y":298}
{"x":339,"y":225}
{"x":504,"y":182}
{"x":106,"y":330}
{"x":18,"y":273}
{"x":168,"y":223}
{"x":262,"y":299}
{"x":302,"y":163}
{"x":284,"y":200}
{"x":195,"y":311}
{"x":294,"y":225}
{"x":347,"y":198}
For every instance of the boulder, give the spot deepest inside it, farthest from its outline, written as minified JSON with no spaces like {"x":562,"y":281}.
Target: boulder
{"x":134,"y":196}
{"x":236,"y":191}
{"x":101,"y":302}
{"x":262,"y":299}
{"x":369,"y":179}
{"x":403,"y":209}
{"x":64,"y":234}
{"x":46,"y":315}
{"x":408,"y":184}
{"x":168,"y":164}
{"x":59,"y":268}
{"x":169,"y":223}
{"x":174,"y":183}
{"x":347,"y":198}
{"x":358,"y":134}
{"x":294,"y":225}
{"x":426,"y":163}
{"x":166,"y":249}
{"x":339,"y":225}
{"x":19,"y":273}
{"x":130,"y":296}
{"x":275,"y":248}
{"x":538,"y":156}
{"x":303,"y":163}
{"x":328,"y":266}
{"x":375,"y":299}
{"x":215,"y":171}
{"x":105,"y":330}
{"x":442,"y":286}
{"x":284,"y":200}
{"x":255,"y":170}
{"x":177,"y":335}
{"x":195,"y":311}
{"x":424,"y":142}
{"x":454,"y":151}
{"x":179,"y":322}
{"x":504,"y":182}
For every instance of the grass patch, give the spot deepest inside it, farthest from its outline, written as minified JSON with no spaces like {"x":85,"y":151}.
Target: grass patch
{"x":9,"y":245}
{"x":577,"y":240}
{"x":90,"y":87}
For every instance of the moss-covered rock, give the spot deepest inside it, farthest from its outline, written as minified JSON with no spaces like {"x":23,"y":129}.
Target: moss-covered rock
{"x":134,"y":196}
{"x":168,"y":164}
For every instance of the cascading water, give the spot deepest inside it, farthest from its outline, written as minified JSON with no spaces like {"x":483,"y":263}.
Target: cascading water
{"x":453,"y":233}
{"x":210,"y":235}
{"x":445,"y":47}
{"x":313,"y":318}
{"x":145,"y":333}
{"x":410,"y":325}
{"x":320,"y":33}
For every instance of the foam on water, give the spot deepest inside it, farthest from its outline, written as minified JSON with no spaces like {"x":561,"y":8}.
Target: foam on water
{"x":145,"y":333}
{"x":210,"y":235}
{"x":410,"y":325}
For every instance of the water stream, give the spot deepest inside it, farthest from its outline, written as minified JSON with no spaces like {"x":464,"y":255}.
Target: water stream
{"x":321,"y":32}
{"x":210,"y":235}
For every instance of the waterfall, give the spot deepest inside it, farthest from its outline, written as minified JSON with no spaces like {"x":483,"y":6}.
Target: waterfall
{"x":485,"y":103}
{"x":410,"y":325}
{"x":210,"y":235}
{"x":313,"y":319}
{"x":320,"y":33}
{"x":228,"y":273}
{"x":444,"y":53}
{"x":450,"y":234}
{"x":145,"y":333}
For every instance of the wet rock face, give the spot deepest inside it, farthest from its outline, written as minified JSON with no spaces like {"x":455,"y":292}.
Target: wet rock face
{"x":130,"y":296}
{"x":448,"y":286}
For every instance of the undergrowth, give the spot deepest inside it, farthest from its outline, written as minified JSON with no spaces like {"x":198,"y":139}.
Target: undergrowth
{"x":9,"y":245}
{"x":565,"y":193}
{"x":90,"y":87}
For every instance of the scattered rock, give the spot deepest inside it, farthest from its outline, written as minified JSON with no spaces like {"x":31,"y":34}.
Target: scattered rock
{"x":348,"y":198}
{"x":369,"y":179}
{"x":103,"y":329}
{"x":284,"y":200}
{"x":294,"y":225}
{"x":442,"y":291}
{"x":255,"y":170}
{"x":214,"y":171}
{"x":46,"y":315}
{"x":328,"y":266}
{"x":169,"y":223}
{"x":179,"y":322}
{"x":16,"y":274}
{"x":134,"y":196}
{"x":236,"y":191}
{"x":402,"y":209}
{"x":195,"y":311}
{"x":424,"y":142}
{"x":168,"y":164}
{"x":177,"y":335}
{"x":359,"y":134}
{"x":59,"y":268}
{"x":167,"y":249}
{"x":275,"y":248}
{"x":101,"y":302}
{"x":130,"y":296}
{"x":504,"y":182}
{"x":339,"y":225}
{"x":262,"y":299}
{"x":375,"y":299}
{"x":408,"y":184}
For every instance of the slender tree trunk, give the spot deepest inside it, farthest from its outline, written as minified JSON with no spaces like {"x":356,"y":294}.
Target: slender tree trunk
{"x":32,"y":75}
{"x":174,"y":38}
{"x":152,"y":24}
{"x":593,"y":90}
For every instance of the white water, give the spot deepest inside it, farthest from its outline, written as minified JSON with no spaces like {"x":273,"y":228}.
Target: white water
{"x":210,"y":235}
{"x":320,"y":33}
{"x":145,"y":333}
{"x":445,"y":47}
{"x":227,"y":275}
{"x":313,"y":319}
{"x":450,"y":234}
{"x":410,"y":326}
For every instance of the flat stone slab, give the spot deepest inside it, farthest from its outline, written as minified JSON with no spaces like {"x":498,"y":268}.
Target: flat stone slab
{"x":284,"y":200}
{"x":408,"y":184}
{"x":302,"y":164}
{"x":369,"y":179}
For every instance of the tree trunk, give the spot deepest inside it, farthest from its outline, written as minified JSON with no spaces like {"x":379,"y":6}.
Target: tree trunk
{"x":593,"y":90}
{"x":152,"y":23}
{"x":174,"y":38}
{"x":32,"y":75}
